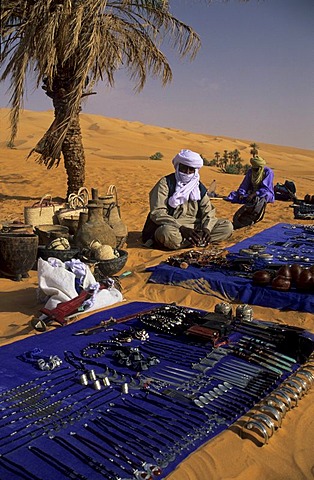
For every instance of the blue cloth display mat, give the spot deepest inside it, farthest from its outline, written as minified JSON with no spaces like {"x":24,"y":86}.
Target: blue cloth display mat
{"x":46,"y":414}
{"x":287,"y":243}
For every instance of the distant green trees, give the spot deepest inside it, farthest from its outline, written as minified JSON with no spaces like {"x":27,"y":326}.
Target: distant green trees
{"x":231,"y":161}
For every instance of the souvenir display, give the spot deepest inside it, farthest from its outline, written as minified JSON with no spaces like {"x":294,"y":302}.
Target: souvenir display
{"x":110,"y":398}
{"x":274,"y":268}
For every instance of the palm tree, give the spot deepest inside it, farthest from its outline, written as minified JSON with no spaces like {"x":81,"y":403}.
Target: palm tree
{"x":217,"y":157}
{"x":224,"y":159}
{"x":254,"y":149}
{"x":231,"y":157}
{"x":70,"y":45}
{"x":236,"y":156}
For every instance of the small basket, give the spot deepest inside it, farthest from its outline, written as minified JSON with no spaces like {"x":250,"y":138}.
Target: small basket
{"x":114,"y":265}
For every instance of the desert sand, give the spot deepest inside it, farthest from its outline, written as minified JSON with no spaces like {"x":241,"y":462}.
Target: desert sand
{"x":117,"y":152}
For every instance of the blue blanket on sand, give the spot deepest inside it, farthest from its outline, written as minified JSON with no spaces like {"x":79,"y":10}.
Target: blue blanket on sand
{"x":287,"y":243}
{"x":55,"y":424}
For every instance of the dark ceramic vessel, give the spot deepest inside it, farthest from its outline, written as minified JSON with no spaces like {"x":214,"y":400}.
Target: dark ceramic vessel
{"x":114,"y":265}
{"x":17,"y":254}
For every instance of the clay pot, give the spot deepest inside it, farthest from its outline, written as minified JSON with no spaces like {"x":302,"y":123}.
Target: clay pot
{"x":295,"y":271}
{"x":285,"y":271}
{"x":95,"y":228}
{"x":281,"y":283}
{"x":47,"y":233}
{"x":111,"y":213}
{"x":305,"y":280}
{"x":261,"y":277}
{"x":18,"y":254}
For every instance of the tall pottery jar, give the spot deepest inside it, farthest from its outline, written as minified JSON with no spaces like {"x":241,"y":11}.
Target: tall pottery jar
{"x":112,"y":215}
{"x":94,"y":228}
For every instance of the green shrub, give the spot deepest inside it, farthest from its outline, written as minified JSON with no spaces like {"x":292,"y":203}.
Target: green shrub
{"x":156,"y":156}
{"x":213,"y":163}
{"x":234,"y":169}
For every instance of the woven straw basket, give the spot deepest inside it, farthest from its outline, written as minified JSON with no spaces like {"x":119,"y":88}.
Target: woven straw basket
{"x":42,"y":212}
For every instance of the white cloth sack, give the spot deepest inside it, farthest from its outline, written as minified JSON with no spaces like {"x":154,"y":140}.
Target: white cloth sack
{"x":57,"y":284}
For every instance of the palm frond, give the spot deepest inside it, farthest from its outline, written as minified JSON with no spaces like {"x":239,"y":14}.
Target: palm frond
{"x":67,"y":42}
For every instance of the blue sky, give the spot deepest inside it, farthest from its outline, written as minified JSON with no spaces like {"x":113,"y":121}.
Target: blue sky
{"x":253,"y":77}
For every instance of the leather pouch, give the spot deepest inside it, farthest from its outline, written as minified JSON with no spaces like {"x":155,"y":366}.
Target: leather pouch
{"x":203,"y":333}
{"x":217,"y":321}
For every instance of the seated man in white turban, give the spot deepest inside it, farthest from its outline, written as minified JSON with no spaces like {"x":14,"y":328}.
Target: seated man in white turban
{"x":258,"y":182}
{"x":181,"y":214}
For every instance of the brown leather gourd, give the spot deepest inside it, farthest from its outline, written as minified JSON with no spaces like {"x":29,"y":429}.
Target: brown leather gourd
{"x":285,"y":271}
{"x":305,"y":280}
{"x":261,"y":277}
{"x":281,"y":283}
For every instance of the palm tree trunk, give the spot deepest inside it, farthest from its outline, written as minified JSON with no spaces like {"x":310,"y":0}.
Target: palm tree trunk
{"x":52,"y":144}
{"x":74,"y":157}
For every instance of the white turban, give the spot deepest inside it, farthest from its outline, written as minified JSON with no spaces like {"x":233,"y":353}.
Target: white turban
{"x":187,"y":186}
{"x":189,"y":158}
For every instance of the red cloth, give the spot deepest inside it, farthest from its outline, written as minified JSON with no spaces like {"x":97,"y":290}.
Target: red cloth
{"x":64,"y":309}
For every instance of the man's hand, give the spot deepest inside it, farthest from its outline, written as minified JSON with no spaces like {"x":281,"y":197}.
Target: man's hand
{"x":250,"y":197}
{"x":205,"y":237}
{"x":192,"y":235}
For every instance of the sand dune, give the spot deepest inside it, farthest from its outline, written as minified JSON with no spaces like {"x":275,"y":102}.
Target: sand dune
{"x":117,"y":152}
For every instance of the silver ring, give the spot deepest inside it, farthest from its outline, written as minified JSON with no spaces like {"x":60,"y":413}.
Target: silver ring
{"x":284,"y":396}
{"x":306,"y":373}
{"x":273,"y":413}
{"x":293,"y":395}
{"x":273,"y":401}
{"x":266,"y":421}
{"x":253,"y":425}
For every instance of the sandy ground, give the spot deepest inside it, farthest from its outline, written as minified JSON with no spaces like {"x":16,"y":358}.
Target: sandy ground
{"x":117,"y":152}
